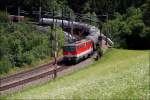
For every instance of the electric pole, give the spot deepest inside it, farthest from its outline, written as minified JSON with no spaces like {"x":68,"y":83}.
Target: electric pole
{"x":107,"y":29}
{"x":40,"y":9}
{"x":18,"y":13}
{"x":62,"y":14}
{"x":55,"y":44}
{"x":71,"y":26}
{"x":90,"y":18}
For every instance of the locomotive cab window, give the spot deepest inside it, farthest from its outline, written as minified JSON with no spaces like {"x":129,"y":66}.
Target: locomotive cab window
{"x":69,"y":48}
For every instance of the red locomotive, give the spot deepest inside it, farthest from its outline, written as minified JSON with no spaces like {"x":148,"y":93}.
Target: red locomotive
{"x":77,"y":51}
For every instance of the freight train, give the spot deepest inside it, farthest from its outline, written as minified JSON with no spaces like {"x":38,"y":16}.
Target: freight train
{"x":74,"y":52}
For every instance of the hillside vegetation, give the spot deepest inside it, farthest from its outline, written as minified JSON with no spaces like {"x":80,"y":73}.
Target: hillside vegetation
{"x":120,"y":74}
{"x":22,"y":44}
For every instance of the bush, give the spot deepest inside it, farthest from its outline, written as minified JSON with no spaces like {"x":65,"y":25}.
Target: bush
{"x":5,"y":65}
{"x":28,"y":58}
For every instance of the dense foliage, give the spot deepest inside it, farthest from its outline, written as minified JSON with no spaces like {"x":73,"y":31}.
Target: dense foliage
{"x":129,"y":19}
{"x":21,"y":44}
{"x":128,"y":30}
{"x":32,"y":6}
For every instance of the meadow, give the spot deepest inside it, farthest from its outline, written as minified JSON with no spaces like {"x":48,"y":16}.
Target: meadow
{"x":119,"y":74}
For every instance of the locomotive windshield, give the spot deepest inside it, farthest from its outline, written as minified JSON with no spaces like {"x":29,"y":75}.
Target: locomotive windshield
{"x":69,"y":48}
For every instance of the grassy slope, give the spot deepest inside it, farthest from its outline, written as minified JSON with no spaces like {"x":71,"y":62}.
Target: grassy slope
{"x":121,"y":74}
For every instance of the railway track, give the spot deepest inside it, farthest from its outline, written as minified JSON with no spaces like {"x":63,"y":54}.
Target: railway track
{"x":26,"y":76}
{"x":8,"y":84}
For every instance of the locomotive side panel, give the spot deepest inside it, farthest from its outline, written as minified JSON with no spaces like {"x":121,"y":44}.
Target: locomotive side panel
{"x":83,"y":50}
{"x":78,"y":51}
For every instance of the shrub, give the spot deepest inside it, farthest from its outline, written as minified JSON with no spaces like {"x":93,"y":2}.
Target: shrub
{"x":5,"y":65}
{"x":28,"y":58}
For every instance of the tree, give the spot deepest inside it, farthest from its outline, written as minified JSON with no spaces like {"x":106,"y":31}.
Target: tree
{"x":146,"y":15}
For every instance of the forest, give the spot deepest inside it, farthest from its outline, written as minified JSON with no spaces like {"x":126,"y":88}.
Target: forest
{"x":128,"y":20}
{"x":127,"y":24}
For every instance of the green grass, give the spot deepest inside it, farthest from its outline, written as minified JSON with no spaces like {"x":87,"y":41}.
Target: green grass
{"x":120,"y":74}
